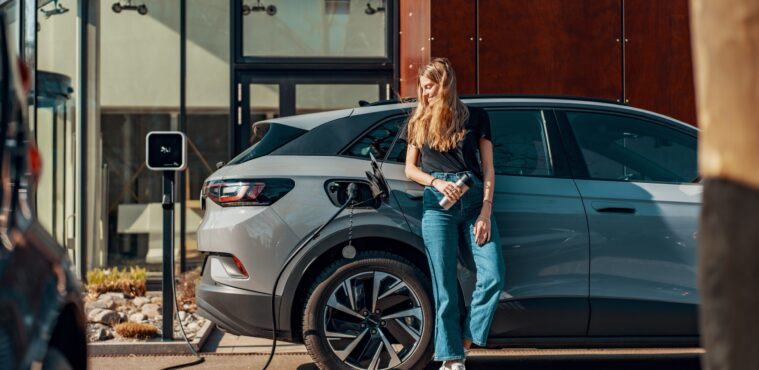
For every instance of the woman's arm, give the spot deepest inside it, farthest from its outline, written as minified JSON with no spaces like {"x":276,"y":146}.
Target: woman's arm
{"x":414,"y":173}
{"x":488,"y":174}
{"x":482,"y":226}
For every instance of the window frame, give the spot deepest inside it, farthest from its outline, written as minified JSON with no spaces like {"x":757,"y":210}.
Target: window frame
{"x":394,"y":114}
{"x":558,"y":161}
{"x":328,"y":62}
{"x":554,"y":142}
{"x":578,"y":165}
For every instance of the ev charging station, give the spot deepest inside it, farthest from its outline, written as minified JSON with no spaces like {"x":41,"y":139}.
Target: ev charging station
{"x":166,"y":151}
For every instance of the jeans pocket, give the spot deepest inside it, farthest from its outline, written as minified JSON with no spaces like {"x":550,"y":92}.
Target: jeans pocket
{"x":431,"y":198}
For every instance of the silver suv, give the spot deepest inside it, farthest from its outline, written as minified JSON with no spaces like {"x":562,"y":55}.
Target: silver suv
{"x":597,"y":205}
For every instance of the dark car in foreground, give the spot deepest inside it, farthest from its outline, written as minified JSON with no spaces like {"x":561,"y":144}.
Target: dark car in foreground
{"x":597,"y":205}
{"x":42,"y":322}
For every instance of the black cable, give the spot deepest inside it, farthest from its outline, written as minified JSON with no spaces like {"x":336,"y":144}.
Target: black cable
{"x":199,"y":359}
{"x":351,"y":196}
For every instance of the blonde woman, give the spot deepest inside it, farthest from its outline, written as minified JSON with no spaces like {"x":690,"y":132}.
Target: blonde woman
{"x":449,"y":140}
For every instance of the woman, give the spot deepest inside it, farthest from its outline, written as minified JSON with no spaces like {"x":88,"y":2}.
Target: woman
{"x":447,"y":137}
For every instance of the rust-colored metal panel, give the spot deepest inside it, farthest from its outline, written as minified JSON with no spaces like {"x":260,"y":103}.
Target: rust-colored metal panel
{"x":414,"y":42}
{"x":567,"y":47}
{"x":658,"y":63}
{"x":453,"y":36}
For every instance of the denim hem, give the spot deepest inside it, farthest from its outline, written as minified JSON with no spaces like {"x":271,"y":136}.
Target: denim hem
{"x":479,"y":343}
{"x":435,"y":358}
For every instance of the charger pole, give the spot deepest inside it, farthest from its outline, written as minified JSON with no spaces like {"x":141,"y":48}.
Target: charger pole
{"x":168,"y":254}
{"x":166,"y":152}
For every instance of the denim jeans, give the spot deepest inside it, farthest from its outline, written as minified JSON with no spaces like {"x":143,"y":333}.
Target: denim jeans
{"x":443,"y":231}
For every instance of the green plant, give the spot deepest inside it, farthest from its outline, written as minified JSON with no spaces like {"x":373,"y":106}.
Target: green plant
{"x":130,"y":281}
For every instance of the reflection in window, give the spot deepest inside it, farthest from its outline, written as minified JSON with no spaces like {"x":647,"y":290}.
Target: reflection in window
{"x":317,"y":98}
{"x":378,"y":142}
{"x":316,"y":28}
{"x":519,"y":143}
{"x":628,"y":149}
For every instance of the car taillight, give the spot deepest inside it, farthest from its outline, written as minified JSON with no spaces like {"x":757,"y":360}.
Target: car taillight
{"x":240,"y":267}
{"x":247,"y":192}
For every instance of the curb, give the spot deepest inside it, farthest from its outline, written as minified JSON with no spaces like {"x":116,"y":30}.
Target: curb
{"x":151,"y":347}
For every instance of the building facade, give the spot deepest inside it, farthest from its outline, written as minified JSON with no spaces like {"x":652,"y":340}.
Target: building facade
{"x":110,"y":71}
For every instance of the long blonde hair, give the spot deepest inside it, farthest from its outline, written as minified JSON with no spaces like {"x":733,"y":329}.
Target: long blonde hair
{"x":440,"y":125}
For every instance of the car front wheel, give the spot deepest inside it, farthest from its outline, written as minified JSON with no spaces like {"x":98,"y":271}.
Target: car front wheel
{"x":372,"y":312}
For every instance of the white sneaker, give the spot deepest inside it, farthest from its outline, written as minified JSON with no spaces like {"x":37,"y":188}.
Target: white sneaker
{"x":453,"y":365}
{"x":458,"y":366}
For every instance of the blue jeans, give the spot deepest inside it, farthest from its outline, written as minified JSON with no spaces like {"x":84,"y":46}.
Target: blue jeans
{"x":442,"y":230}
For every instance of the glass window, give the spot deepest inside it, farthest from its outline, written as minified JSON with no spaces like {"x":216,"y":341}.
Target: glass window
{"x":265,"y":138}
{"x":311,"y":98}
{"x":314,"y":28}
{"x":378,"y":141}
{"x":629,"y":149}
{"x":519,"y":143}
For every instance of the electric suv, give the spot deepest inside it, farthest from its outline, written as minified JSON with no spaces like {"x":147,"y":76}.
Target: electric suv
{"x":596,"y":204}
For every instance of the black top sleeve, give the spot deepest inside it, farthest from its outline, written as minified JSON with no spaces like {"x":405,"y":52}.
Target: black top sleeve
{"x":484,"y":124}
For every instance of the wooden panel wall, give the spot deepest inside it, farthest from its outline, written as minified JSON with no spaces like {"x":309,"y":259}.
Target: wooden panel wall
{"x":453,"y":36}
{"x":414,"y":38}
{"x":567,"y":47}
{"x":658,"y":64}
{"x":563,"y":47}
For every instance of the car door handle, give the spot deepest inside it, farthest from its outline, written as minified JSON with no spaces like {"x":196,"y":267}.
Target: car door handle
{"x":605,"y":207}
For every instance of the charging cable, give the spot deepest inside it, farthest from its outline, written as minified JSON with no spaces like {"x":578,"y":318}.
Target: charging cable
{"x":352,"y":191}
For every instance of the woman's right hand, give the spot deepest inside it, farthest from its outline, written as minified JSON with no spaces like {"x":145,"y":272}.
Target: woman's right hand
{"x":447,"y":188}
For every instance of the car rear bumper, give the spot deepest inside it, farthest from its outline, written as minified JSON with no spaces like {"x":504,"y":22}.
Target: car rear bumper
{"x":238,"y":311}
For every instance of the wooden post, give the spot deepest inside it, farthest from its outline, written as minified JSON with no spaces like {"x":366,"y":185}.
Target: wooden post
{"x":726,"y":58}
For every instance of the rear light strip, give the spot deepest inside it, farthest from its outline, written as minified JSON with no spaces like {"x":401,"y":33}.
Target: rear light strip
{"x":246,"y":192}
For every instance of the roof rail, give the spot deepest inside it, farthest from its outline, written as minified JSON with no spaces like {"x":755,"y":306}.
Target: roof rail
{"x":538,"y":96}
{"x":499,"y":96}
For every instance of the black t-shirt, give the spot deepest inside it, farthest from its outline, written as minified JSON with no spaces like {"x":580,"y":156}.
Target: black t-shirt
{"x":465,"y":156}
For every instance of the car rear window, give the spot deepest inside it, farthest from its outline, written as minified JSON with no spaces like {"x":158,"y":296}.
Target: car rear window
{"x":265,"y":138}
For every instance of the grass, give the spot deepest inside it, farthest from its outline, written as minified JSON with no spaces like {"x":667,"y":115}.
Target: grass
{"x":130,"y":281}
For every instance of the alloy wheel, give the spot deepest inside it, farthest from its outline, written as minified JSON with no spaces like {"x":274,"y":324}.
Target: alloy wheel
{"x":373,"y":320}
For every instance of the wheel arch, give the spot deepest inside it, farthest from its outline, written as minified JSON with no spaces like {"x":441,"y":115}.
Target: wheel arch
{"x":398,"y":242}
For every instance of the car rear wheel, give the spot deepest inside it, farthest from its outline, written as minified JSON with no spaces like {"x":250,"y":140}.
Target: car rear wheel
{"x":372,"y":312}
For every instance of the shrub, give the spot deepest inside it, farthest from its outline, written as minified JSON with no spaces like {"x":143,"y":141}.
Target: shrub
{"x":130,"y":281}
{"x":136,"y":330}
{"x":186,"y":288}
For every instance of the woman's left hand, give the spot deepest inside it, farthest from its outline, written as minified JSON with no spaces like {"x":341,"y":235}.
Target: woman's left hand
{"x":482,"y":230}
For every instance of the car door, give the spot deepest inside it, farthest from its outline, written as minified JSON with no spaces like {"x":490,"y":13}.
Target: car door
{"x":543,"y":230}
{"x":539,"y":215}
{"x":638,"y":180}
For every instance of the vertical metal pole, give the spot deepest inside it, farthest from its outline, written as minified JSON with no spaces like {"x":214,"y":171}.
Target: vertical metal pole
{"x":183,"y":129}
{"x":168,"y":254}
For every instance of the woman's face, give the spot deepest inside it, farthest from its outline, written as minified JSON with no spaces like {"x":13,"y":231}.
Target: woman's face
{"x":430,"y":89}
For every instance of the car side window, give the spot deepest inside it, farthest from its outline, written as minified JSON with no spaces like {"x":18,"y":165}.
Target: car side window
{"x":616,"y":147}
{"x":378,"y":141}
{"x":520,"y":146}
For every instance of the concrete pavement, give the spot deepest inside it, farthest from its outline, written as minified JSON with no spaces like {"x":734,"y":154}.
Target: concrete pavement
{"x":226,"y":351}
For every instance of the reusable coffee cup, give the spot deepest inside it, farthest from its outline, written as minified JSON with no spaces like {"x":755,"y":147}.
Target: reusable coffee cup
{"x":463,"y":183}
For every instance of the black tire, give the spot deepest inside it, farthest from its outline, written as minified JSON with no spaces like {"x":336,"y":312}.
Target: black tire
{"x":142,"y":9}
{"x":405,"y":285}
{"x":116,"y":8}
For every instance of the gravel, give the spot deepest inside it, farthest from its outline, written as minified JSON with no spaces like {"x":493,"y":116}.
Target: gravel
{"x":105,"y":311}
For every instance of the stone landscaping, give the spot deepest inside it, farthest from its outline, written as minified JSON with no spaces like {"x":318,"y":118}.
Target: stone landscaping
{"x":106,"y":310}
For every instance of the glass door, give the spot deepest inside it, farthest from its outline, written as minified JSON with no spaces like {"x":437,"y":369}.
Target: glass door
{"x":266,"y":95}
{"x":55,"y":135}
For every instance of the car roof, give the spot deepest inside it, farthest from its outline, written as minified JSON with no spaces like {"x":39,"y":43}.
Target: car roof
{"x":309,"y":121}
